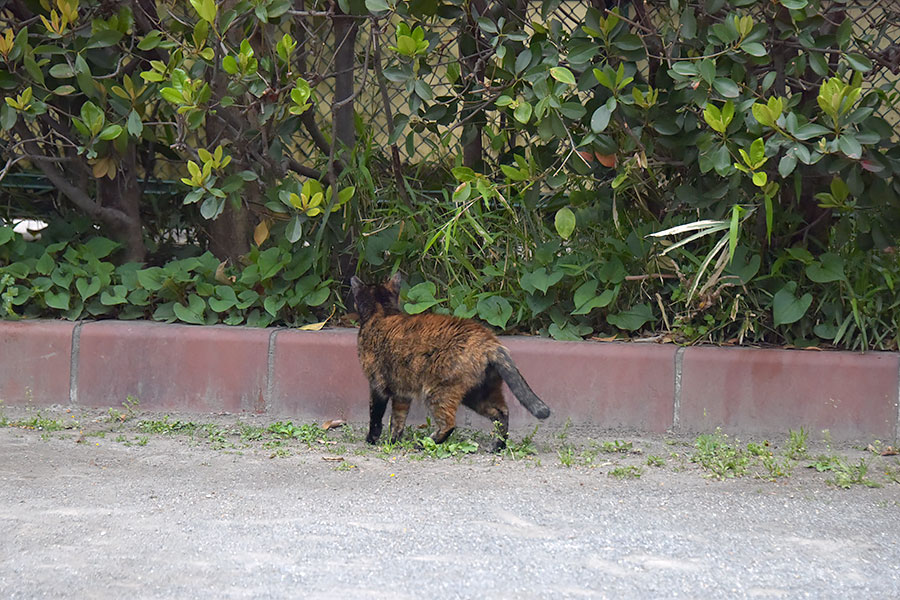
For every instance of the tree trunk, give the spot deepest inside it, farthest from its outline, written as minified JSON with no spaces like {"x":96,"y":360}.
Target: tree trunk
{"x":471,"y":46}
{"x":124,"y":193}
{"x":343,"y":125}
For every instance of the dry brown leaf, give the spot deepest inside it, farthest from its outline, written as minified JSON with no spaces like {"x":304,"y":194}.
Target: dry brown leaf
{"x":100,"y":168}
{"x":607,"y":160}
{"x":261,"y":232}
{"x":333,"y":458}
{"x":333,"y":424}
{"x":220,"y":273}
{"x":319,"y":325}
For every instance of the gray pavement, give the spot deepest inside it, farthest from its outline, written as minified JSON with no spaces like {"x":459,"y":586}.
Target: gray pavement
{"x":129,"y":515}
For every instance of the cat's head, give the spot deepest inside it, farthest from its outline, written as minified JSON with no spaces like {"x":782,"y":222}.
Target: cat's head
{"x":370,"y":299}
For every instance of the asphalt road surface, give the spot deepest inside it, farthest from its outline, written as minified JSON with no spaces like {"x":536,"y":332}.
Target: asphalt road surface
{"x":131,"y":515}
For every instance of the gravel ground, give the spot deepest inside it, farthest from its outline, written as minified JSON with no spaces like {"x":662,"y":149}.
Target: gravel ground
{"x":209,"y":506}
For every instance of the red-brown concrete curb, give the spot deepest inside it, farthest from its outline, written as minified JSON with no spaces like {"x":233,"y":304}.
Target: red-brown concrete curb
{"x":301,"y":374}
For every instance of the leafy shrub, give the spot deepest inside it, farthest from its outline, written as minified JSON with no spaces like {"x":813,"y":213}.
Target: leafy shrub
{"x":701,"y":170}
{"x":77,"y":280}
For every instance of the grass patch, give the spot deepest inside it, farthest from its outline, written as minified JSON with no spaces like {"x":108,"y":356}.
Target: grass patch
{"x":796,"y":445}
{"x":716,"y":454}
{"x":40,"y":423}
{"x":309,"y":433}
{"x":523,"y":449}
{"x":627,"y":472}
{"x":844,"y":474}
{"x":167,"y":427}
{"x":656,"y":461}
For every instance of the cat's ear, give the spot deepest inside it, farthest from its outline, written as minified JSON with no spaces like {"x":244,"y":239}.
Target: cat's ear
{"x":395,"y":282}
{"x":356,"y":284}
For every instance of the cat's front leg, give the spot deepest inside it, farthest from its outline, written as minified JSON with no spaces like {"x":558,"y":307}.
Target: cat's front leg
{"x":377,"y":405}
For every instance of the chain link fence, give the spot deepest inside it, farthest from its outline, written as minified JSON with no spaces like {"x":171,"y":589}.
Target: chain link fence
{"x":876,"y":35}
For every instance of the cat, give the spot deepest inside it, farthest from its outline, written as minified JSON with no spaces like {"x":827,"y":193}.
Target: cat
{"x":445,"y":361}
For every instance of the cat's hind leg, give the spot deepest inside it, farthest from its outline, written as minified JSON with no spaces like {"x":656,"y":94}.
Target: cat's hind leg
{"x":443,"y":404}
{"x":399,"y":412}
{"x":490,"y":403}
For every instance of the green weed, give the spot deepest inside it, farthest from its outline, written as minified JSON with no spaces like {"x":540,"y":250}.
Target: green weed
{"x":167,"y":427}
{"x":308,"y":433}
{"x":714,"y":453}
{"x":847,"y":475}
{"x":656,"y":461}
{"x":617,"y":446}
{"x":250,"y":433}
{"x":775,"y":467}
{"x":566,"y":456}
{"x":40,"y":423}
{"x":450,"y":447}
{"x":523,"y":449}
{"x":796,"y":445}
{"x":627,"y":472}
{"x":130,"y":405}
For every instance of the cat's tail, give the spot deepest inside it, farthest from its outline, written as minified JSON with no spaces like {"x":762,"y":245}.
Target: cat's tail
{"x":520,"y":388}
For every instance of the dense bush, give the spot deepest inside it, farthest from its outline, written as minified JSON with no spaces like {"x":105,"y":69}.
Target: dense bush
{"x":702,"y":170}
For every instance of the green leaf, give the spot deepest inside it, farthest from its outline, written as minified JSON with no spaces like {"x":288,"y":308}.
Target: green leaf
{"x":193,"y":312}
{"x":858,"y":62}
{"x":786,"y":307}
{"x":150,"y":41}
{"x":111,"y":132}
{"x":87,"y":288}
{"x":829,"y":267}
{"x":708,"y":70}
{"x":810,"y":130}
{"x":294,"y":230}
{"x":586,"y":299}
{"x":58,"y":300}
{"x":376,"y":6}
{"x":116,"y":295}
{"x":496,"y":310}
{"x":172,"y":95}
{"x":104,"y":38}
{"x":45,"y":264}
{"x":8,"y":117}
{"x":100,"y":247}
{"x":420,"y":298}
{"x":564,"y":222}
{"x":540,"y":279}
{"x":6,"y":234}
{"x":523,"y":113}
{"x":563,"y":75}
{"x":134,"y":124}
{"x":601,"y":116}
{"x":207,"y":10}
{"x":850,"y":146}
{"x":754,"y":49}
{"x":787,"y":164}
{"x":734,"y":230}
{"x":818,"y":63}
{"x":62,"y":71}
{"x":726,"y":87}
{"x":229,"y":64}
{"x":794,"y":4}
{"x":633,"y":318}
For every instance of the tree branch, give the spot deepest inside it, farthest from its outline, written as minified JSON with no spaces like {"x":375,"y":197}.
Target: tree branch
{"x":77,"y":196}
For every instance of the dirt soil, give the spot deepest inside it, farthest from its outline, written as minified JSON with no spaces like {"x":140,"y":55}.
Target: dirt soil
{"x":109,"y":504}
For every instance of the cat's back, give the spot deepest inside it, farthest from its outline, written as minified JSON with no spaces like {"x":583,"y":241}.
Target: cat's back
{"x":428,"y":333}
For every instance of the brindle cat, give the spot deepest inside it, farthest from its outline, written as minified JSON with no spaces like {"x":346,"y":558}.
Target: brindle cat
{"x":443,"y":360}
